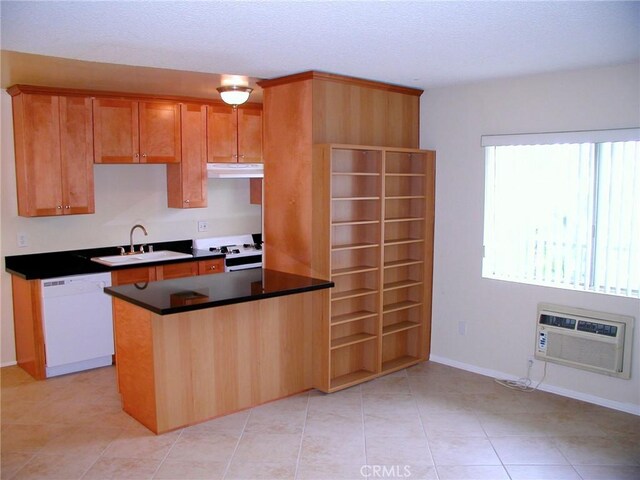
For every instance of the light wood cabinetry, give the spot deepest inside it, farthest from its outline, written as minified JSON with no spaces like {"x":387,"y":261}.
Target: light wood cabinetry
{"x":133,"y":275}
{"x":379,"y":233}
{"x":59,"y":134}
{"x":176,"y":270}
{"x":349,"y":197}
{"x":180,"y":369}
{"x":131,"y":131}
{"x":54,"y":154}
{"x":187,"y":181}
{"x":167,"y":271}
{"x":214,"y":265}
{"x":27,"y":314}
{"x":234,"y":135}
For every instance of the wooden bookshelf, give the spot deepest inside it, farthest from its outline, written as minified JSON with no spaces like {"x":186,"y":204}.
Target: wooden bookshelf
{"x":379,"y":239}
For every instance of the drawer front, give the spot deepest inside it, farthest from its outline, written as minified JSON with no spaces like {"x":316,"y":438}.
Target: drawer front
{"x":177,"y":270}
{"x":133,"y":275}
{"x":206,"y":267}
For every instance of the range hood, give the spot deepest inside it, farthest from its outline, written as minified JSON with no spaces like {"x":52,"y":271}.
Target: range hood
{"x":235,"y":170}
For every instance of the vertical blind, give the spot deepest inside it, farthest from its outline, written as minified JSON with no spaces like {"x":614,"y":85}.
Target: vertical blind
{"x":565,"y":214}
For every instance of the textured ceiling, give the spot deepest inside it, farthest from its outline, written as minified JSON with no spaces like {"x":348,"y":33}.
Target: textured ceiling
{"x":416,"y":43}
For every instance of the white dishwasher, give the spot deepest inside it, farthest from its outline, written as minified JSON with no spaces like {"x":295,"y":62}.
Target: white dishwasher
{"x":78,"y":325}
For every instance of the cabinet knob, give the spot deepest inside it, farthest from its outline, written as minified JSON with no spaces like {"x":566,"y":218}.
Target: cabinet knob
{"x":213,"y":267}
{"x":59,"y":207}
{"x":137,"y":155}
{"x":67,"y":207}
{"x":144,"y":155}
{"x":187,"y":201}
{"x":241,"y":156}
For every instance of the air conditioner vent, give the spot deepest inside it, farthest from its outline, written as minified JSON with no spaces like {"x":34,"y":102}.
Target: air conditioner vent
{"x":595,"y":341}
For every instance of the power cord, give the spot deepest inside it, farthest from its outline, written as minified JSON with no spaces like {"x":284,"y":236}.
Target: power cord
{"x":523,"y":384}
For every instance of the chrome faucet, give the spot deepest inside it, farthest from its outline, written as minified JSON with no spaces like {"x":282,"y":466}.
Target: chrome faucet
{"x":131,"y":251}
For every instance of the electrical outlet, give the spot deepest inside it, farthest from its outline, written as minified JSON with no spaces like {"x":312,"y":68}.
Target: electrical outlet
{"x":203,"y":226}
{"x":22,"y":240}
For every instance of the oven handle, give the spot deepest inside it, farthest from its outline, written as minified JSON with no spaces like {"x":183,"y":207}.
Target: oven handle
{"x":246,"y":266}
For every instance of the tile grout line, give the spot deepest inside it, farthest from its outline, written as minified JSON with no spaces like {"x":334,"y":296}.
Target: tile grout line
{"x":101,"y":455}
{"x":304,"y":426}
{"x":506,"y":470}
{"x":364,"y":433}
{"x":424,"y":430}
{"x":33,"y":455}
{"x":167,"y":454}
{"x":244,"y":427}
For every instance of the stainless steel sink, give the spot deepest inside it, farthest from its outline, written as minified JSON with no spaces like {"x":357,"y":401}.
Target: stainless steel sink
{"x":159,"y":256}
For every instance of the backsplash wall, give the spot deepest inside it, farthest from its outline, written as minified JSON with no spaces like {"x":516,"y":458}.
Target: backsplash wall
{"x":124,"y":195}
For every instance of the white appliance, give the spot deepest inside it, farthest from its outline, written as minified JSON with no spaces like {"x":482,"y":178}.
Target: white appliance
{"x":235,"y":170}
{"x":241,"y":251}
{"x":595,"y":341}
{"x":78,"y":325}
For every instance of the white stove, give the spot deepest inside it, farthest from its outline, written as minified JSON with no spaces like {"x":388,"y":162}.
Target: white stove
{"x":241,"y":251}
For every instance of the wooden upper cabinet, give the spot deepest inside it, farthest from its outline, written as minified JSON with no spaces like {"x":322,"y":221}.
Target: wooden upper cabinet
{"x":76,"y":150}
{"x":234,"y":135}
{"x":54,"y":154}
{"x":159,"y":132}
{"x":222,"y":134}
{"x":187,"y":181}
{"x":115,"y":126}
{"x":131,"y":131}
{"x":249,"y":135}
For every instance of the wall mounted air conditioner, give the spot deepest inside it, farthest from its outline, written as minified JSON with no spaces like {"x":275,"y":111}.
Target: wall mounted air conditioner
{"x":595,"y":341}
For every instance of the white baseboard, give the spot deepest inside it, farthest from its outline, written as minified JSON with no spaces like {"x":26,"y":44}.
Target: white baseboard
{"x":623,"y":407}
{"x":8,"y":364}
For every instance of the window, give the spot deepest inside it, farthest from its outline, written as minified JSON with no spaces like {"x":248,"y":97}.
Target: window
{"x":563,"y":211}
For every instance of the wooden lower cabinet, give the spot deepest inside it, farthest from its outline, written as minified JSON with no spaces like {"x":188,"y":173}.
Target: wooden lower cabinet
{"x":207,"y":267}
{"x":167,"y":272}
{"x":184,"y":368}
{"x":176,"y":270}
{"x":133,"y":275}
{"x":29,"y":335}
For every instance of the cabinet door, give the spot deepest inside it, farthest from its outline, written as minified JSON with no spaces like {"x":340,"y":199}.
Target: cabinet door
{"x":187,"y":181}
{"x":215,"y":265}
{"x":76,"y":150}
{"x":176,"y":270}
{"x":133,"y":275}
{"x":38,"y":164}
{"x":159,"y":132}
{"x":249,"y":135}
{"x":115,"y":126}
{"x":222,"y":136}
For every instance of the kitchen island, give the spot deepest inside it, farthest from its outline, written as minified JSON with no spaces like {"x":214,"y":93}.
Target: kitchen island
{"x":196,"y":348}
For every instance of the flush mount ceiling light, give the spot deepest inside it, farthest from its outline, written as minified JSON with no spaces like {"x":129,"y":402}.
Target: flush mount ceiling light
{"x":234,"y":95}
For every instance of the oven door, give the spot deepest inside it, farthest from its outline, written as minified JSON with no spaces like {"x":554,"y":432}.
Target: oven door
{"x":232,"y":264}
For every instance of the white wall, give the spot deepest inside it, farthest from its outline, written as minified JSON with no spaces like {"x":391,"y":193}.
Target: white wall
{"x":125,"y":195}
{"x":500,"y":316}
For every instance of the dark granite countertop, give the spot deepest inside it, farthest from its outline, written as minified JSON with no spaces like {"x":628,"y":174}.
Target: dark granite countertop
{"x":206,"y":291}
{"x":78,"y":262}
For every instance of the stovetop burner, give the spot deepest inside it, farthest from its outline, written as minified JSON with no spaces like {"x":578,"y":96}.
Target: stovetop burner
{"x":231,"y":246}
{"x":228,"y":249}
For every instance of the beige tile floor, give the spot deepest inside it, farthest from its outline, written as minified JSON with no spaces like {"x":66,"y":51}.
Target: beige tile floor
{"x":427,"y":422}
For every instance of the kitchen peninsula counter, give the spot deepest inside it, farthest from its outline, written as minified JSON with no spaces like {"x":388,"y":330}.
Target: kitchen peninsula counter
{"x":195,"y":348}
{"x":200,"y":292}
